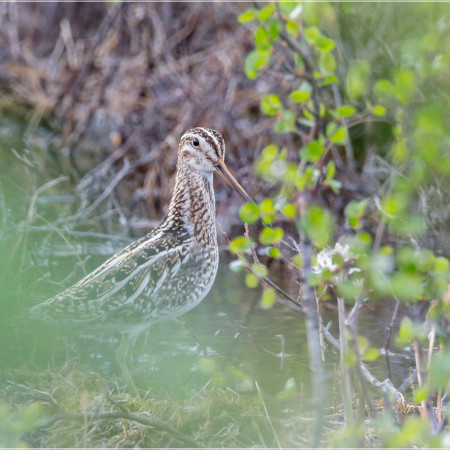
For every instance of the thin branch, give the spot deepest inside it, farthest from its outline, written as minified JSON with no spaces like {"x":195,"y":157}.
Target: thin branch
{"x":266,"y":280}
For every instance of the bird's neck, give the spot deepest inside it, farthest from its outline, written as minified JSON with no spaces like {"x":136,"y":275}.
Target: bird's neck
{"x":193,"y":204}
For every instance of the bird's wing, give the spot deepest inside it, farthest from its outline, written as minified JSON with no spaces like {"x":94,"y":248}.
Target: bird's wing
{"x":143,"y":265}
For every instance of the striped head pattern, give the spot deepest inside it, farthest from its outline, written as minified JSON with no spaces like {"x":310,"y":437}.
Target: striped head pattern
{"x":204,"y":150}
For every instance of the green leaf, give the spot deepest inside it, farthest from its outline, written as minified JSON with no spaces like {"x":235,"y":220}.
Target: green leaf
{"x":356,"y":209}
{"x":441,"y":265}
{"x":247,"y":16}
{"x":335,"y":185}
{"x":287,"y":7}
{"x":329,"y":79}
{"x":267,"y":207}
{"x":259,"y":270}
{"x":313,"y":279}
{"x":328,"y":62}
{"x":312,"y":34}
{"x":299,"y":96}
{"x":406,"y":286}
{"x":240,"y":244}
{"x":249,"y":213}
{"x":268,"y":298}
{"x":379,"y":110}
{"x":345,"y":111}
{"x":273,"y":27}
{"x":312,"y":152}
{"x":317,"y":223}
{"x":350,"y":358}
{"x":298,"y":260}
{"x":330,"y":171}
{"x":407,"y":331}
{"x":266,"y":12}
{"x":404,"y":84}
{"x":289,"y":211}
{"x":286,"y":124}
{"x":274,"y":252}
{"x":251,"y":281}
{"x":420,"y":393}
{"x":339,"y":136}
{"x":325,"y":44}
{"x":356,"y":81}
{"x":270,"y":104}
{"x":371,"y":354}
{"x":292,"y":28}
{"x":262,"y":40}
{"x":384,"y":89}
{"x":255,"y":60}
{"x":393,"y":205}
{"x":270,"y":236}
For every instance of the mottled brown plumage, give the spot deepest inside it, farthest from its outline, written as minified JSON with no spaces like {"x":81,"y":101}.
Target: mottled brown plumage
{"x":169,"y":271}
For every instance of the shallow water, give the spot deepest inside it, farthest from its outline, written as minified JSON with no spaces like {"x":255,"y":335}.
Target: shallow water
{"x":235,"y":342}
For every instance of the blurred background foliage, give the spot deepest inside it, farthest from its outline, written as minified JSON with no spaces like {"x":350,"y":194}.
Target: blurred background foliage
{"x":336,"y":121}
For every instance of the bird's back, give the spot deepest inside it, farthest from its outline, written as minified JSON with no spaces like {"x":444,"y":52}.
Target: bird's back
{"x":160,"y":276}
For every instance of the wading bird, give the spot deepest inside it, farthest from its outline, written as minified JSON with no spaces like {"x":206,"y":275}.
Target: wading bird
{"x":170,"y":270}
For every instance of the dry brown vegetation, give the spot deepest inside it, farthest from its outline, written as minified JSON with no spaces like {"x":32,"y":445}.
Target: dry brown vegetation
{"x":124,"y":82}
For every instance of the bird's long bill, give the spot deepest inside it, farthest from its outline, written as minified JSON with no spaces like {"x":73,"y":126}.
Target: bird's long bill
{"x":226,"y":175}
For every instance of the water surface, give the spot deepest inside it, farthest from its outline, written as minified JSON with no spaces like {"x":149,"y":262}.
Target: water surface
{"x":235,"y":345}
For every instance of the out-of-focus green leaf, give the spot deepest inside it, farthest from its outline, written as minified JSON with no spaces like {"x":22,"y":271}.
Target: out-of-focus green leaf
{"x":331,"y":170}
{"x":356,"y":209}
{"x":266,"y":12}
{"x":404,"y":83}
{"x":275,"y":252}
{"x":247,"y":16}
{"x":384,"y":89}
{"x":421,"y":393}
{"x":345,"y":111}
{"x":255,"y":60}
{"x":299,"y":96}
{"x":288,"y":7}
{"x":312,"y":152}
{"x":292,"y":28}
{"x":262,"y":40}
{"x":289,"y":211}
{"x":273,"y":27}
{"x":251,"y":281}
{"x":240,"y":244}
{"x":441,"y":265}
{"x":339,"y":136}
{"x":268,"y":298}
{"x":271,"y":236}
{"x":249,"y":213}
{"x":271,"y":104}
{"x":371,"y":354}
{"x":286,"y":124}
{"x":259,"y":270}
{"x":406,"y":286}
{"x":317,"y":223}
{"x":328,"y":62}
{"x":356,"y":81}
{"x":312,"y":34}
{"x":379,"y":110}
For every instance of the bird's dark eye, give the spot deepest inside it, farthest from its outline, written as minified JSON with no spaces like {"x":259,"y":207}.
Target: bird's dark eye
{"x":196,"y":142}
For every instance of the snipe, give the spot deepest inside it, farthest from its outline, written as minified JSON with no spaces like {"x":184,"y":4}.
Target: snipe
{"x":169,"y":271}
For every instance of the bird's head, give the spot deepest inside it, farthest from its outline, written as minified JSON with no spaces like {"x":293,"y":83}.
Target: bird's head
{"x":204,"y":150}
